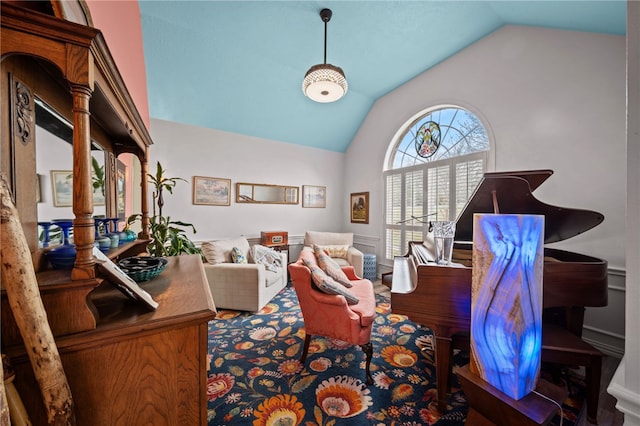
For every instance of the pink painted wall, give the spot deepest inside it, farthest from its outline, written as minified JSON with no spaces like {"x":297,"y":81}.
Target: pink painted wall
{"x":121,"y":26}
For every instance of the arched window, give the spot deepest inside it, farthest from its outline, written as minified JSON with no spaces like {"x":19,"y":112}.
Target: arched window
{"x":433,"y":166}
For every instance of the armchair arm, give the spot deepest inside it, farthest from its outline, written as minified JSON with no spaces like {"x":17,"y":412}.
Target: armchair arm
{"x":237,"y":274}
{"x":350,"y":272}
{"x":356,"y":259}
{"x":237,"y":286}
{"x":285,"y":259}
{"x":329,"y":299}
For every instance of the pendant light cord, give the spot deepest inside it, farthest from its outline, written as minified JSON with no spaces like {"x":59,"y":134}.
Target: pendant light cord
{"x":325,"y":42}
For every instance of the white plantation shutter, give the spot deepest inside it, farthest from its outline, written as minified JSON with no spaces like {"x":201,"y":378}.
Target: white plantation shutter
{"x":468,"y":176}
{"x":438,"y":192}
{"x":393,"y":243}
{"x":393,"y":215}
{"x":394,"y":199}
{"x":414,"y":192}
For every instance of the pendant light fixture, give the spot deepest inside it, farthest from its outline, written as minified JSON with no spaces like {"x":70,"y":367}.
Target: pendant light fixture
{"x":324,"y":82}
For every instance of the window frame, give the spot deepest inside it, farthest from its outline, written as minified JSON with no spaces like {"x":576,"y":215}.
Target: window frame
{"x":406,"y":230}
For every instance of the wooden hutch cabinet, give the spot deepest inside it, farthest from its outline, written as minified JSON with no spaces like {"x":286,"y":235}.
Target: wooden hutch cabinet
{"x":125,"y":364}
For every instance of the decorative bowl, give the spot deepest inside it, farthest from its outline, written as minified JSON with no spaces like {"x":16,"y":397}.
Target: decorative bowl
{"x":144,"y":268}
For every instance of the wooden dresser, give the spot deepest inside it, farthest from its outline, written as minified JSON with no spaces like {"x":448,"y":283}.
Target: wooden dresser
{"x":137,"y":367}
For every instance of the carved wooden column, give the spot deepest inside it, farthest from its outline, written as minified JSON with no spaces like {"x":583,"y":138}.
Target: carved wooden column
{"x":83,"y":226}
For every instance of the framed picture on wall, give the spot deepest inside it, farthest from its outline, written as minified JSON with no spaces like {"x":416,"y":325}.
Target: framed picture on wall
{"x":211,"y":191}
{"x":360,"y":207}
{"x":39,"y":179}
{"x":314,"y":196}
{"x":62,"y":187}
{"x":121,"y":189}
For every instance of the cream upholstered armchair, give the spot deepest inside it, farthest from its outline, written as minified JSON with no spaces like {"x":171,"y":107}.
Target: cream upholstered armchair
{"x":241,"y":277}
{"x":339,"y":246}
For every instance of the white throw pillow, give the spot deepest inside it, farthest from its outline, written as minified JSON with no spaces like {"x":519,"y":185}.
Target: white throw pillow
{"x":220,"y":251}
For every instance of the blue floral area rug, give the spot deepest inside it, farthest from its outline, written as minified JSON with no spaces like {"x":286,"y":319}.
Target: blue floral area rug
{"x":256,"y":378}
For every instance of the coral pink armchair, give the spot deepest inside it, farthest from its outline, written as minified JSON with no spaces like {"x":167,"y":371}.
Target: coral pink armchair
{"x":330,"y":316}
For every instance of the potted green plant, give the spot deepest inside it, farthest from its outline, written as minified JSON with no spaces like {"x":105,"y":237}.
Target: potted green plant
{"x":97,"y":176}
{"x":169,"y":237}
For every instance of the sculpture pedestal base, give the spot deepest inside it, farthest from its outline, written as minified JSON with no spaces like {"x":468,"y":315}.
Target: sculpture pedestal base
{"x":488,"y":406}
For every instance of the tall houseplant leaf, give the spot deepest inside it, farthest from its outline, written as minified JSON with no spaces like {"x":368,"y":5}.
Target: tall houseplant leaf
{"x":169,"y":236}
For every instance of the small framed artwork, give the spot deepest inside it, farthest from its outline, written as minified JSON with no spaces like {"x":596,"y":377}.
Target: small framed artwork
{"x":98,"y":196}
{"x":314,"y":196}
{"x":360,"y":207}
{"x":39,"y":179}
{"x":121,"y":188}
{"x":62,"y":186}
{"x":211,"y":191}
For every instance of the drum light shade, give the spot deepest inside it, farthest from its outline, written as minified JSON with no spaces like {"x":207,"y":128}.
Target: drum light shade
{"x":324,"y":82}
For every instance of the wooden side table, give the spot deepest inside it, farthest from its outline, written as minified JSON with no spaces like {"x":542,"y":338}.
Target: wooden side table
{"x":488,"y":406}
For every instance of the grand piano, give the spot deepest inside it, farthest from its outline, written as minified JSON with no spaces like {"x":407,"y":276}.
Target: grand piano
{"x":439,"y":297}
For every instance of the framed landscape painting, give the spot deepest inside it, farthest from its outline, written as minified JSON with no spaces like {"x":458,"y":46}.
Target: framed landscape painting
{"x":360,"y":207}
{"x":314,"y":196}
{"x":211,"y":191}
{"x":121,"y":181}
{"x":62,"y":187}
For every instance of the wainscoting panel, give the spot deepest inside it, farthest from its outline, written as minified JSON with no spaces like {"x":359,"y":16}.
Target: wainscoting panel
{"x":604,"y":327}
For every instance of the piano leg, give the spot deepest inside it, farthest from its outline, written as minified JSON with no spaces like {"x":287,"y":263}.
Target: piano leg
{"x":575,"y":319}
{"x":444,"y":355}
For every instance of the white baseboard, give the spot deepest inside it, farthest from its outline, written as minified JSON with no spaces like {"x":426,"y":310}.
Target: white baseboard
{"x":628,"y":400}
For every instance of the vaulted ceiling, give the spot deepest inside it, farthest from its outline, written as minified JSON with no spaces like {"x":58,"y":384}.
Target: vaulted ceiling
{"x":238,"y":66}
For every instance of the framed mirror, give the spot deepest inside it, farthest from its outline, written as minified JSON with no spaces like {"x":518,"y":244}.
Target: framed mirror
{"x":266,"y":194}
{"x":54,"y":166}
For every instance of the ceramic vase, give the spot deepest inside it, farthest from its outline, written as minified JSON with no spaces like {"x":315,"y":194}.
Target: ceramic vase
{"x":46,"y":226}
{"x":112,"y":232}
{"x":64,"y":255}
{"x":104,"y":242}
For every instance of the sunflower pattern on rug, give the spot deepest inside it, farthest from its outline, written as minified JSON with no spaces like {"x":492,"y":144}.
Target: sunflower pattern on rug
{"x":256,"y":378}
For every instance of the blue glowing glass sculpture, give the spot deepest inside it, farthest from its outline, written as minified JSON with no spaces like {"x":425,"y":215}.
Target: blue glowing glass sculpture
{"x":506,"y":301}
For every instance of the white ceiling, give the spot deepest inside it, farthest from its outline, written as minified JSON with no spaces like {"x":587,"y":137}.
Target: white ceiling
{"x":238,"y":66}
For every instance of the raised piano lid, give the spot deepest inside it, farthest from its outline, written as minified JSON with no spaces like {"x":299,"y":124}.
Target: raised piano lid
{"x":513,"y":192}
